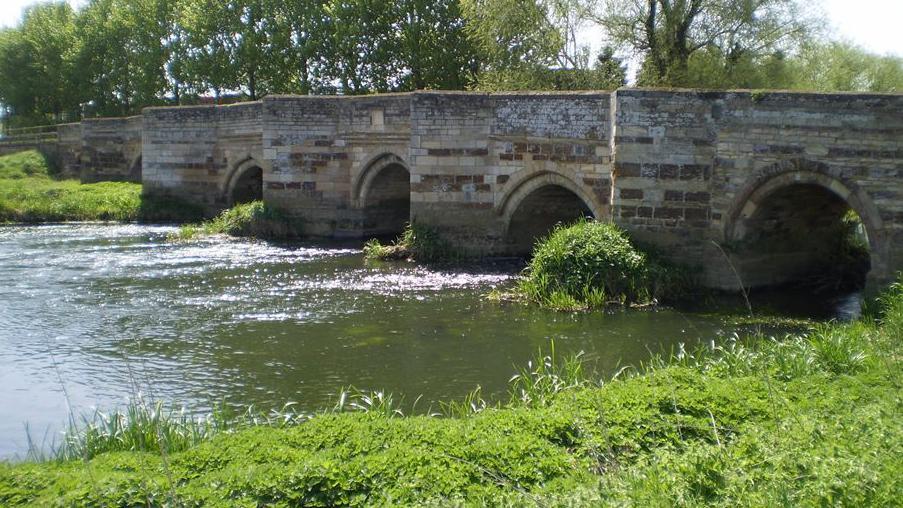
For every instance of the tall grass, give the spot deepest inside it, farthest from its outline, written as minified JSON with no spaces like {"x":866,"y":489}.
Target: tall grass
{"x":153,"y":427}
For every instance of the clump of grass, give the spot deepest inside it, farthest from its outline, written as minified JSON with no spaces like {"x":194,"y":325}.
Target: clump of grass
{"x":152,"y":427}
{"x":589,"y":264}
{"x":416,"y":243}
{"x":249,"y":220}
{"x":546,"y":376}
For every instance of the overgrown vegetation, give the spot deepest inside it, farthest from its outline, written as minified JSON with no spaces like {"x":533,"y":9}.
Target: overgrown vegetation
{"x":417,"y":243}
{"x":30,"y":193}
{"x":809,"y":420}
{"x":592,"y":264}
{"x":248,"y":220}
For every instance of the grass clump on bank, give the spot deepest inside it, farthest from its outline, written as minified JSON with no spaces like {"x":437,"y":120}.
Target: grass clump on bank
{"x":248,"y":220}
{"x":416,"y":243}
{"x":808,"y":420}
{"x":31,"y":193}
{"x":591,"y":264}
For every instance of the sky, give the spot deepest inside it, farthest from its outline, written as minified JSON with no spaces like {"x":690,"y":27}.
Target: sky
{"x":873,"y":24}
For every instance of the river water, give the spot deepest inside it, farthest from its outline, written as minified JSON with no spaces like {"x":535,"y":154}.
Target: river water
{"x":91,"y":315}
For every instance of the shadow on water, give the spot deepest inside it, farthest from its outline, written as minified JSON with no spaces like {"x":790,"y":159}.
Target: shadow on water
{"x":110,"y":311}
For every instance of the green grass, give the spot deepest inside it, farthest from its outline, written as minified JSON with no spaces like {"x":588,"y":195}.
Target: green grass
{"x":251,"y":220}
{"x":30,"y":193}
{"x":807,"y":420}
{"x":592,"y":264}
{"x":417,"y":243}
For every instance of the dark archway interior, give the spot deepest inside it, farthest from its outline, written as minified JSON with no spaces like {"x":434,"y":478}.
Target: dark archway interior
{"x":806,"y":235}
{"x":248,"y":187}
{"x":539,"y":213}
{"x":388,"y":202}
{"x":135,"y":171}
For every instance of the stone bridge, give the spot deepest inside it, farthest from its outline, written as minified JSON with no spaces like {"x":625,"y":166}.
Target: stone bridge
{"x":762,"y":178}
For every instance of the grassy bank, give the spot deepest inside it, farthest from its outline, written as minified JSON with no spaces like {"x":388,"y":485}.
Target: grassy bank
{"x":809,"y":420}
{"x":247,"y":220}
{"x":31,"y":193}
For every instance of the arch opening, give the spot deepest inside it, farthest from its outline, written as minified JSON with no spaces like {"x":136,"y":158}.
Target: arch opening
{"x":805,"y":235}
{"x":538,"y":214}
{"x":386,"y":202}
{"x":135,"y":170}
{"x":248,"y":186}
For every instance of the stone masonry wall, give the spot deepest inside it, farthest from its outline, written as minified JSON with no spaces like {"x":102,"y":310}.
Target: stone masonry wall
{"x":321,"y":147}
{"x":111,"y":149}
{"x":684,"y":170}
{"x":192,"y":152}
{"x":687,"y":164}
{"x":476,"y":156}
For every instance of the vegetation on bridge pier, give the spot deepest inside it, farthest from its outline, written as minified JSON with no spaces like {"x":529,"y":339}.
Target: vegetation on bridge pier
{"x":248,"y":220}
{"x":417,"y":243}
{"x":591,"y":264}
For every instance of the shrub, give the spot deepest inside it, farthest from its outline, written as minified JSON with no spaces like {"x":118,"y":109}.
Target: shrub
{"x":251,"y":220}
{"x":589,"y":263}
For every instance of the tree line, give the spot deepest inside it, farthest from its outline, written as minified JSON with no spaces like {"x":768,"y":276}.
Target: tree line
{"x":114,"y":57}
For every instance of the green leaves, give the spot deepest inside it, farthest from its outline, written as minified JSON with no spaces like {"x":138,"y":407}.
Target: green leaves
{"x":591,"y":264}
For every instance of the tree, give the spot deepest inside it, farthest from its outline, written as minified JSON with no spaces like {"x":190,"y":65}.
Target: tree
{"x":436,"y":52}
{"x":37,"y":79}
{"x":838,"y":65}
{"x":668,"y":33}
{"x":516,"y":41}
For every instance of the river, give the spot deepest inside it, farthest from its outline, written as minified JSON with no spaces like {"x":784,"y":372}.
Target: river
{"x":91,"y":315}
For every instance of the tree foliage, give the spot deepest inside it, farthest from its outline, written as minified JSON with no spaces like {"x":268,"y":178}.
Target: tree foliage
{"x":114,"y":57}
{"x":667,"y":34}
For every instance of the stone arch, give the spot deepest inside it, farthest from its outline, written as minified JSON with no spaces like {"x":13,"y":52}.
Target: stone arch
{"x":523,"y":183}
{"x":536,"y":202}
{"x":244,"y":183}
{"x":806,"y":188}
{"x":382,"y":192}
{"x":363,"y":182}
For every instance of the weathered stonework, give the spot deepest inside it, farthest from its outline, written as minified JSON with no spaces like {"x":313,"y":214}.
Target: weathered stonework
{"x":707,"y":176}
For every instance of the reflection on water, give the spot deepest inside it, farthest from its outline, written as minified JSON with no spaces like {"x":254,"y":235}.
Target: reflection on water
{"x":100,"y":313}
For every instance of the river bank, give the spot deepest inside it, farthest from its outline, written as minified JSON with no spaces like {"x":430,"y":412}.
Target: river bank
{"x":31,"y":193}
{"x":804,"y":420}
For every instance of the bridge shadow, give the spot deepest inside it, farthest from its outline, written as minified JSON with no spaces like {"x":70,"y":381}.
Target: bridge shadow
{"x":802,"y":235}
